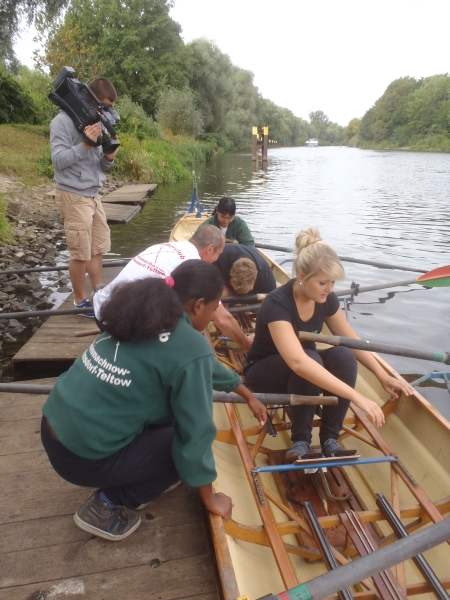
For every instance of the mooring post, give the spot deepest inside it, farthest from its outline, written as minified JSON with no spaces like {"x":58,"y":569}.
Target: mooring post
{"x":265,"y":144}
{"x":260,"y":139}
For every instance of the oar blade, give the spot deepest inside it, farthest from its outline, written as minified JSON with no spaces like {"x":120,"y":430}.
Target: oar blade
{"x":439,"y":277}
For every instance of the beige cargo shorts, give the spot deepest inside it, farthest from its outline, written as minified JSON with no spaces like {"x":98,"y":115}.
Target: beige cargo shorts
{"x":84,"y":219}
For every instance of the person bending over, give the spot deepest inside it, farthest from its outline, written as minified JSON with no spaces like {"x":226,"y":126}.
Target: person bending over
{"x":79,"y":175}
{"x":245,"y":271}
{"x":233,"y":227}
{"x":159,"y":261}
{"x":133,"y":415}
{"x":279,"y":363}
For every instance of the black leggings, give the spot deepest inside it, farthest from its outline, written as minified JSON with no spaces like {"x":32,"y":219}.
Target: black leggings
{"x":132,"y":476}
{"x":272,"y":375}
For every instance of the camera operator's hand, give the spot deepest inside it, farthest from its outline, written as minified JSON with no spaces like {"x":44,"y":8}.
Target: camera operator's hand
{"x":92,"y":132}
{"x":112,"y":156}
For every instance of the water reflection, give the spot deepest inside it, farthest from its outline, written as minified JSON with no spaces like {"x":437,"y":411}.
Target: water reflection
{"x":379,"y":205}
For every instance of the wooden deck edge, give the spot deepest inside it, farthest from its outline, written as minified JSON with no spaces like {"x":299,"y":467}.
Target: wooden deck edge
{"x":225,"y":567}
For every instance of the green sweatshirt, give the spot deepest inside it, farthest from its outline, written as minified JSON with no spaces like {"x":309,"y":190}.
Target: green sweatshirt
{"x":236,"y":230}
{"x":109,"y":394}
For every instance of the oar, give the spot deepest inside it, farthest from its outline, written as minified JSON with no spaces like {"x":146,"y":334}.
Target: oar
{"x":244,"y":299}
{"x":336,"y":340}
{"x":221,"y":397}
{"x":439,"y":277}
{"x":360,"y":261}
{"x":113,"y":263}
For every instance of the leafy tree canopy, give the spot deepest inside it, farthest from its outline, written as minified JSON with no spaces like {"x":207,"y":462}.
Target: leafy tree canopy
{"x":12,"y":12}
{"x":135,"y":43}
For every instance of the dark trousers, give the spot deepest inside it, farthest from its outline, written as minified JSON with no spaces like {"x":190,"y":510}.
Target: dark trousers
{"x":132,"y":476}
{"x":272,"y":375}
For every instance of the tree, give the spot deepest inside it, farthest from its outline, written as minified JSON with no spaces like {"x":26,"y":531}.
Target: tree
{"x":135,"y":43}
{"x":13,"y":11}
{"x":176,"y":111}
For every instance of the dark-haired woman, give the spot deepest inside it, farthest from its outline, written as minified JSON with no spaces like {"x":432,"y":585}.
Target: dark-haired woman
{"x":133,"y":415}
{"x":233,"y":227}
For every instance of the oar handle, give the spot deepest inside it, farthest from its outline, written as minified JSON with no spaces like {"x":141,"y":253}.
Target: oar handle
{"x":282,"y":399}
{"x":221,"y":397}
{"x":356,"y":344}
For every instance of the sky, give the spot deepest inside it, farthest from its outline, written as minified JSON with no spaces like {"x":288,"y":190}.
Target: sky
{"x":337,"y":56}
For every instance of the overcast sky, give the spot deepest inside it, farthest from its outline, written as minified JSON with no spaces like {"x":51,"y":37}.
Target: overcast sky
{"x":332,"y":55}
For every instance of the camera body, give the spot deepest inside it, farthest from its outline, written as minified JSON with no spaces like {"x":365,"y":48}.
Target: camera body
{"x":84,"y":108}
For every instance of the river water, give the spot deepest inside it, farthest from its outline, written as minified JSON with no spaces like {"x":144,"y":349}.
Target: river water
{"x":384,"y":206}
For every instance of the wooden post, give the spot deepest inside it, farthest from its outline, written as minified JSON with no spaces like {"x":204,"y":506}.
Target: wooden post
{"x":265,"y":144}
{"x":260,"y":139}
{"x":254,"y":143}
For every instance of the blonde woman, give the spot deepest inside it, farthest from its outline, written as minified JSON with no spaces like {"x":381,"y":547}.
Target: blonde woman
{"x":278,"y":363}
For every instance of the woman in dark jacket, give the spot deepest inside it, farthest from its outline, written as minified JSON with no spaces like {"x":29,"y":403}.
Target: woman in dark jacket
{"x":233,"y":227}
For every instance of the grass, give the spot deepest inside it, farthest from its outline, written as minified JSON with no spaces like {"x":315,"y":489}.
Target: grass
{"x":21,"y":147}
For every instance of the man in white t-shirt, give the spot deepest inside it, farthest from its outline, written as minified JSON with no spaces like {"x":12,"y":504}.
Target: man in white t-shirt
{"x":206,"y":244}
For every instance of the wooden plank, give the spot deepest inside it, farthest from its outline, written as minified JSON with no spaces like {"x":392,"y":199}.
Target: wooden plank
{"x":121,"y":213}
{"x":191,"y":577}
{"x":130,"y":194}
{"x":165,"y":511}
{"x":276,"y":543}
{"x":146,"y":544}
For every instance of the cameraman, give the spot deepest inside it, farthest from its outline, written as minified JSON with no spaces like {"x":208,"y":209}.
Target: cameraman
{"x":79,"y":175}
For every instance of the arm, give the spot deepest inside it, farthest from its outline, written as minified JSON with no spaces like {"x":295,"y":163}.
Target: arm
{"x":228,"y":325}
{"x":191,"y":404}
{"x":219,"y":504}
{"x":289,"y":347}
{"x":243,"y":234}
{"x":64,"y":153}
{"x":338,"y":325}
{"x":225,"y":380}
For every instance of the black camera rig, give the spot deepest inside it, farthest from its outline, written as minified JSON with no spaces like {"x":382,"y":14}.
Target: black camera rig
{"x":84,"y":108}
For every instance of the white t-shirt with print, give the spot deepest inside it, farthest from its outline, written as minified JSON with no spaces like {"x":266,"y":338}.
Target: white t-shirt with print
{"x":156,"y":261}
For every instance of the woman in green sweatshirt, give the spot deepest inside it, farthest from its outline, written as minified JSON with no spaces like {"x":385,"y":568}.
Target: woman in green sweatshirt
{"x":133,"y":415}
{"x":233,"y":227}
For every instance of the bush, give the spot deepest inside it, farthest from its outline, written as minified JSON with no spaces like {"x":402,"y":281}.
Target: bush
{"x":38,"y":86}
{"x":6,"y":233}
{"x":134,"y":120}
{"x":176,"y":111}
{"x":159,"y":161}
{"x":15,"y":104}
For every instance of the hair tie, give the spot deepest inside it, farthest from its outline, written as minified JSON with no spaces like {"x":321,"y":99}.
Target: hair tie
{"x":169,"y":281}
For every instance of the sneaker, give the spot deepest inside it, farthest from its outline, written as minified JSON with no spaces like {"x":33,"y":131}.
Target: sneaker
{"x":297,"y":450}
{"x":85,"y":304}
{"x":110,"y":522}
{"x":332,"y":448}
{"x":169,"y":489}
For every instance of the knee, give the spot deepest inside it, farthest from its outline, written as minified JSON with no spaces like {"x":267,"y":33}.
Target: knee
{"x":341,"y":360}
{"x":315,"y":356}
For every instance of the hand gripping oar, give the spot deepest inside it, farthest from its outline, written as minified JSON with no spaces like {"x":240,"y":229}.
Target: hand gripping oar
{"x":221,"y":397}
{"x":335,"y":340}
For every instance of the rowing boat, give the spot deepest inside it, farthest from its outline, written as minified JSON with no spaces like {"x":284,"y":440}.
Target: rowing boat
{"x":270,"y":544}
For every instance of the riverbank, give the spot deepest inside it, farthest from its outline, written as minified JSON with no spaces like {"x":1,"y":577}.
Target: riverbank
{"x":35,"y":238}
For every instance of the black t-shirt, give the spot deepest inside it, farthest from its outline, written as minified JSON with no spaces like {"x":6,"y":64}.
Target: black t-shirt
{"x":265,"y":281}
{"x":280,"y":306}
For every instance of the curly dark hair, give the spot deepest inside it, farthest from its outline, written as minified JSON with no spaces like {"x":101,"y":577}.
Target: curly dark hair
{"x":142,"y":309}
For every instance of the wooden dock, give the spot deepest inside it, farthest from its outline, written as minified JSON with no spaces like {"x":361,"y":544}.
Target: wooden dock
{"x":167,"y":558}
{"x":126,"y":202}
{"x":131,"y":194}
{"x":120,"y":213}
{"x":54,"y":347}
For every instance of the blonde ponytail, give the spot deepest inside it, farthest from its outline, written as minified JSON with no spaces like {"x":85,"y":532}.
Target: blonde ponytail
{"x":313,"y":256}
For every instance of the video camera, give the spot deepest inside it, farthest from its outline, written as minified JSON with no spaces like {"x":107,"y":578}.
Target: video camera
{"x":84,"y":108}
